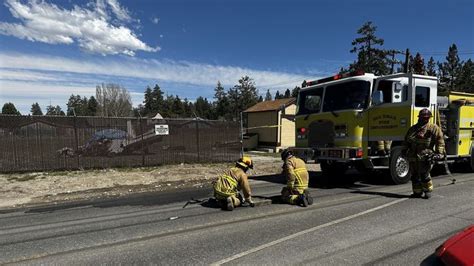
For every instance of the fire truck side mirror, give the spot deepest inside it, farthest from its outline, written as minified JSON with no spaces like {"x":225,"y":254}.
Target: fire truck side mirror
{"x":377,"y":97}
{"x":397,"y":92}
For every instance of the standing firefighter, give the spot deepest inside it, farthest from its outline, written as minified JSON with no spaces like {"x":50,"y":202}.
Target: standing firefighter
{"x":420,"y":140}
{"x":227,"y":186}
{"x":297,"y":177}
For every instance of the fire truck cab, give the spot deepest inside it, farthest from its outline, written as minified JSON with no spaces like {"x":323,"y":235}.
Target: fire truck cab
{"x":360,"y":120}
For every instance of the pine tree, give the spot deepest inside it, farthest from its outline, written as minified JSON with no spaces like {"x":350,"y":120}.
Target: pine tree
{"x":295,"y":91}
{"x":260,"y":99}
{"x":54,"y":110}
{"x":188,"y":111}
{"x":36,"y":109}
{"x":203,"y":108}
{"x":154,"y":101}
{"x":277,"y":95}
{"x":235,"y":104}
{"x":268,"y":96}
{"x":92,"y":106}
{"x":77,"y":106}
{"x":465,"y":81}
{"x":343,"y":70}
{"x":167,"y":108}
{"x":450,"y":69}
{"x":221,"y":102}
{"x":287,"y":94}
{"x":418,"y":65}
{"x":178,"y":107}
{"x":370,"y":58}
{"x":431,"y":67}
{"x":10,"y":109}
{"x":248,"y":92}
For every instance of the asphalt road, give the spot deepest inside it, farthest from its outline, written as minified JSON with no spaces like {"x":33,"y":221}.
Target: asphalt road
{"x":364,"y":223}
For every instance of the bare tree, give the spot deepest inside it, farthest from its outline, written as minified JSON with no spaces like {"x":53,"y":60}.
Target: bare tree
{"x":113,"y":100}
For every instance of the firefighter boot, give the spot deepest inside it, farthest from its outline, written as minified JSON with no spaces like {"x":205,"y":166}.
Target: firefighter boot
{"x":302,"y":200}
{"x":308,"y":197}
{"x":427,"y":195}
{"x":230,"y":204}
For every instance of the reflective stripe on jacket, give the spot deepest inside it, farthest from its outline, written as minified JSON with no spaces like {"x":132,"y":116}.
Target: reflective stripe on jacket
{"x":419,"y":139}
{"x":297,"y":176}
{"x":230,"y":182}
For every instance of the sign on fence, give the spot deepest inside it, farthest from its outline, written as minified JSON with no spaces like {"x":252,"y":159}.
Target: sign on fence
{"x":161,"y":130}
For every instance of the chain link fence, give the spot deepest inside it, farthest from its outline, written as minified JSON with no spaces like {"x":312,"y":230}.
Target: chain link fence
{"x":39,"y":143}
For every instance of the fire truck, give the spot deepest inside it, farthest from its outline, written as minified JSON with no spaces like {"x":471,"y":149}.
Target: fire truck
{"x":359,"y":120}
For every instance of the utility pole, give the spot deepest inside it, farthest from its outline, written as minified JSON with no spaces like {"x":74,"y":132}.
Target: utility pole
{"x":393,"y":61}
{"x":407,"y":61}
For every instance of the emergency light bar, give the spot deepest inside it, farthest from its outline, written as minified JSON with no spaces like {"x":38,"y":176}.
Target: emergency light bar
{"x":335,"y":77}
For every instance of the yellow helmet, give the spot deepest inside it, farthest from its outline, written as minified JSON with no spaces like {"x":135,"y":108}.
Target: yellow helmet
{"x":246,"y":162}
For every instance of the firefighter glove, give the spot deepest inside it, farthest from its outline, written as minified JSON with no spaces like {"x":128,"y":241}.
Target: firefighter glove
{"x":438,"y":157}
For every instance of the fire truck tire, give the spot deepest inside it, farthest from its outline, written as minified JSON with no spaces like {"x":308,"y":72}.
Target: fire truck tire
{"x":471,"y":162}
{"x":399,"y":167}
{"x":333,"y":169}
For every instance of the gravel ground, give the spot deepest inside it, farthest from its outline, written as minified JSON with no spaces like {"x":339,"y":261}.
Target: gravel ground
{"x":46,"y":187}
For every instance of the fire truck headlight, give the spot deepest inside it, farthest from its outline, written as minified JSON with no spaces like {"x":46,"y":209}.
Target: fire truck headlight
{"x":340,"y":131}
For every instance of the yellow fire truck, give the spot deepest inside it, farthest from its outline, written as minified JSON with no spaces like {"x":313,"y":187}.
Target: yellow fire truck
{"x":360,"y":120}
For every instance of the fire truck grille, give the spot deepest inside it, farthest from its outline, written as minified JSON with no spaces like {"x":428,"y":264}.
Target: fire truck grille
{"x":321,"y":134}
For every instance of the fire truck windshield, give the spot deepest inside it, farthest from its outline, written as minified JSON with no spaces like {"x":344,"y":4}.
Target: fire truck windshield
{"x":348,"y":95}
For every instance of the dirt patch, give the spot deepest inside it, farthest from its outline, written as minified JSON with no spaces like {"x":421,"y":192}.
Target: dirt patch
{"x":47,"y":187}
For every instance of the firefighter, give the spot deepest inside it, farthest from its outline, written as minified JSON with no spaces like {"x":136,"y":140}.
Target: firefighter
{"x":227,"y":186}
{"x":420,"y":140}
{"x":297,"y":177}
{"x":383,"y":147}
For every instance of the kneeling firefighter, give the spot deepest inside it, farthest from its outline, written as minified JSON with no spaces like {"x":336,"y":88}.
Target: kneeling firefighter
{"x":424,"y":143}
{"x":297,"y":177}
{"x":227,"y":186}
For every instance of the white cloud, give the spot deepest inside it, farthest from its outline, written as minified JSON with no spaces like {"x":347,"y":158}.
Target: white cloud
{"x":25,"y":75}
{"x":165,"y":70}
{"x":29,"y":78}
{"x":155,"y":20}
{"x":24,"y":94}
{"x":92,"y":28}
{"x":121,"y":12}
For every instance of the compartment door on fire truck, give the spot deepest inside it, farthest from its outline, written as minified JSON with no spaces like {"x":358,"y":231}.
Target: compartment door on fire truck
{"x":425,"y":95}
{"x":390,"y":114}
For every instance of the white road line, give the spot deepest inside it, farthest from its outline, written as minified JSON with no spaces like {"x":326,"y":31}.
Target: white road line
{"x":278,"y":241}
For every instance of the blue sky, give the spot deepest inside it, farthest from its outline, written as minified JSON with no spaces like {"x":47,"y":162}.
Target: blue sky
{"x":52,"y":49}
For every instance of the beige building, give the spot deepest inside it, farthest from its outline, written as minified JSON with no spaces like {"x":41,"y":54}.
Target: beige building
{"x":266,"y":120}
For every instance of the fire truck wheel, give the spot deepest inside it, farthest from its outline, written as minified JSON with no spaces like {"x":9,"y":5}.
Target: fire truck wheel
{"x":399,"y":167}
{"x":472,"y":159}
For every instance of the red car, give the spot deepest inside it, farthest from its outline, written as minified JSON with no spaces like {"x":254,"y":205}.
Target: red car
{"x":459,"y":249}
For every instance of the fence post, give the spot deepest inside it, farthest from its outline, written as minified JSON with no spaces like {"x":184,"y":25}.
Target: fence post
{"x":197,"y":141}
{"x":40,"y":142}
{"x":142,"y":133}
{"x":76,"y":140}
{"x":12,"y":137}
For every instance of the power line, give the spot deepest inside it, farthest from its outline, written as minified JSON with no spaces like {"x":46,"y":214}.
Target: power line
{"x":445,"y":53}
{"x":281,"y":83}
{"x":425,"y":53}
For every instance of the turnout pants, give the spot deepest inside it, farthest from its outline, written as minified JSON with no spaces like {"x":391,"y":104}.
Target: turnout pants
{"x":420,"y":177}
{"x":291,"y":195}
